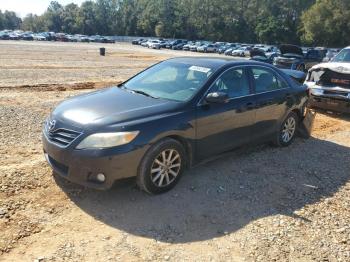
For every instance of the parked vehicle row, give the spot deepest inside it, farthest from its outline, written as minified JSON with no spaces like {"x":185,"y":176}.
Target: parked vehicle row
{"x":52,"y":36}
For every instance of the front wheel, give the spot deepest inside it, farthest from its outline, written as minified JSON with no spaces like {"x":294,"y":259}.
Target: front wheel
{"x":287,"y":130}
{"x":161,"y":167}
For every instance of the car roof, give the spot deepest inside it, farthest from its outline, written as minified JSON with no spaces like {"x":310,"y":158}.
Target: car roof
{"x":215,"y":62}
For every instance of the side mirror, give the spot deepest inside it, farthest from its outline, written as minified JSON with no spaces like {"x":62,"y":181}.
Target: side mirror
{"x":217,"y":97}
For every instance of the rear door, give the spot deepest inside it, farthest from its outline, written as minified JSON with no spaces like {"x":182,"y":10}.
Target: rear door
{"x":224,"y":126}
{"x":272,"y":99}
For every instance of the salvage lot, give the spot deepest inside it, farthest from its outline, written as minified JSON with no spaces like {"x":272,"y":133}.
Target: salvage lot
{"x":255,"y":204}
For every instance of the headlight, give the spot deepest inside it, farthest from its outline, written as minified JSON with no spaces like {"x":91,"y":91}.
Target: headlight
{"x":316,"y":92}
{"x":106,"y":140}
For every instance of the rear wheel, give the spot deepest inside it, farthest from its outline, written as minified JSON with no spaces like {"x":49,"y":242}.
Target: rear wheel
{"x":287,"y":130}
{"x":161,"y":167}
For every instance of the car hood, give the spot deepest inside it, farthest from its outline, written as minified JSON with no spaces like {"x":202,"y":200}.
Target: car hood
{"x":109,"y":106}
{"x":291,"y":49}
{"x":342,"y":68}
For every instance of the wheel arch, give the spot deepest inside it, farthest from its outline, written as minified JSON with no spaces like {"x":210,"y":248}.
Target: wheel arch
{"x":187,"y":146}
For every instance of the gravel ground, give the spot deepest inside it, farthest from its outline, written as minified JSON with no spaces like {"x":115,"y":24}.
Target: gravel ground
{"x":256,"y":203}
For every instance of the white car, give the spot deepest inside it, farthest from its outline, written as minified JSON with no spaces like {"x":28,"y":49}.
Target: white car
{"x":329,"y":83}
{"x":146,"y":43}
{"x":154,"y":44}
{"x":39,"y":37}
{"x":242,"y":51}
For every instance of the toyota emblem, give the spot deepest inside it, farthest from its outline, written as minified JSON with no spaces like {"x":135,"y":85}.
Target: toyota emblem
{"x":51,"y":125}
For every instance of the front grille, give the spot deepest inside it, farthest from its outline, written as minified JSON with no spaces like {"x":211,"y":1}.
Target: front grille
{"x":331,"y":79}
{"x":62,"y":136}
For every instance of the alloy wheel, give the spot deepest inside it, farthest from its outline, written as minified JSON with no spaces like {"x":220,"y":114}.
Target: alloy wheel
{"x":288,"y":129}
{"x":165,"y":167}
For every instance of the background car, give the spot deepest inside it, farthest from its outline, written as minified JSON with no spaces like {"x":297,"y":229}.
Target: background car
{"x":261,"y":56}
{"x":170,"y":44}
{"x":179,"y":46}
{"x":292,"y":57}
{"x":154,"y":44}
{"x":186,"y":47}
{"x":227,"y":46}
{"x":242,"y":51}
{"x":137,"y":41}
{"x":197,"y":44}
{"x":206,"y":48}
{"x":27,"y":36}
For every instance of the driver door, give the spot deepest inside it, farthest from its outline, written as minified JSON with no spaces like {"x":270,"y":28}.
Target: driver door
{"x":223,"y":126}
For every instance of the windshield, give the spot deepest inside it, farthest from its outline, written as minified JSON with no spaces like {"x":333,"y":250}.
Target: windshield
{"x":343,"y":56}
{"x":170,"y":80}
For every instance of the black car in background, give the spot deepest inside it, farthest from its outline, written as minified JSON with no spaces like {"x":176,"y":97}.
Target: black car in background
{"x":171,"y":44}
{"x":260,"y":55}
{"x":179,"y":46}
{"x":4,"y":36}
{"x":138,"y":41}
{"x":27,"y":37}
{"x":292,"y":57}
{"x":169,"y":117}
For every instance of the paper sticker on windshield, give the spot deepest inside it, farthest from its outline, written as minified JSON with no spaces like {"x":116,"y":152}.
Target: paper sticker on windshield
{"x":199,"y":69}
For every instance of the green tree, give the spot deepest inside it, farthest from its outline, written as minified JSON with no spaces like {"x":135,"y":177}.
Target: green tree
{"x":86,"y":18}
{"x":33,"y":23}
{"x":69,"y":18}
{"x":11,"y":20}
{"x":53,"y":17}
{"x":327,"y":23}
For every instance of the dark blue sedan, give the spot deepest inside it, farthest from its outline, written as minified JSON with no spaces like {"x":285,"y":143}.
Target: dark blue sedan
{"x":170,"y":117}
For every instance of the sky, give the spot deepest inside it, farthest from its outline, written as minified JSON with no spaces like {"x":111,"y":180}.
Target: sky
{"x":23,"y":7}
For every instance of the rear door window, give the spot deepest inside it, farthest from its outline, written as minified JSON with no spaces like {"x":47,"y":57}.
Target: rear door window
{"x":265,"y":80}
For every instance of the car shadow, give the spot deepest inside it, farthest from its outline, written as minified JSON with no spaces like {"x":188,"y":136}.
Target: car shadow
{"x":223,"y":195}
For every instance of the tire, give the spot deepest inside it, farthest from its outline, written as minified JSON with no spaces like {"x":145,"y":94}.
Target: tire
{"x":163,"y":177}
{"x":287,"y":130}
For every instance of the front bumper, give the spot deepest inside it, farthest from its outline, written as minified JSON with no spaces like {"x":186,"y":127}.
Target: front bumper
{"x":335,"y":99}
{"x":81,"y":166}
{"x":331,"y":104}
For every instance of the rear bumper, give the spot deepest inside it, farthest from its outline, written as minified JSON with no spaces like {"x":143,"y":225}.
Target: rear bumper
{"x":80,"y":166}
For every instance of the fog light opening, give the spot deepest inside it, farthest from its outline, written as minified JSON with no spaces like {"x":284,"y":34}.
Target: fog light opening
{"x":101,"y":177}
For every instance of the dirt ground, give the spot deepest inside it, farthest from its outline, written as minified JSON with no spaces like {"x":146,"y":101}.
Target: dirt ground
{"x":254,"y":204}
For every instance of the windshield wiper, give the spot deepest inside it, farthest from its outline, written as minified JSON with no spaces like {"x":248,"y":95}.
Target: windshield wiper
{"x":142,"y":93}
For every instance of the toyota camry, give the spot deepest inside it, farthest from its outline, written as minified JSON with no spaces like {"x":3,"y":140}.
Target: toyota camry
{"x":168,"y":118}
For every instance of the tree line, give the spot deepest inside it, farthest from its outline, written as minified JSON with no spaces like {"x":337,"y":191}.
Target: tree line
{"x":311,"y":22}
